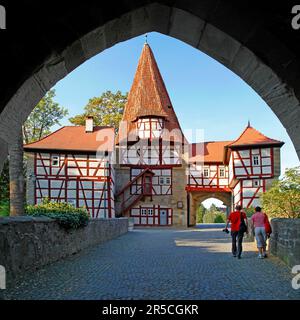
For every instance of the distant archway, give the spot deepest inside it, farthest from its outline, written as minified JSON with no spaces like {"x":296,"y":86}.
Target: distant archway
{"x":196,"y":198}
{"x":246,"y":53}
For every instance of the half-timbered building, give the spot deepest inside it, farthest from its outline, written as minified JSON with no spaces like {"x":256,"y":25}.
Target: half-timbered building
{"x":149,"y":172}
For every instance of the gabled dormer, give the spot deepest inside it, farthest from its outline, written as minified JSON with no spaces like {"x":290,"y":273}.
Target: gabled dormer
{"x":253,"y":155}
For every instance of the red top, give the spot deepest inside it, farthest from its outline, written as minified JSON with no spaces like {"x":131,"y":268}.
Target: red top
{"x":235,"y":219}
{"x":258,"y":219}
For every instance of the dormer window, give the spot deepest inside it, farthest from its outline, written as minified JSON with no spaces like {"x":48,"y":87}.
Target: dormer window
{"x":149,"y":128}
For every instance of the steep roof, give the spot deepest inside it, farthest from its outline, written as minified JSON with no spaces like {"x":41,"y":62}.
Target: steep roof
{"x":209,"y":152}
{"x":74,"y":138}
{"x":251,"y":136}
{"x":148,"y":95}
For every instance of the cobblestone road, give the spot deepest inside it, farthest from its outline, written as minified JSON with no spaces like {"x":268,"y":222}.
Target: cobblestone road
{"x":161,"y":264}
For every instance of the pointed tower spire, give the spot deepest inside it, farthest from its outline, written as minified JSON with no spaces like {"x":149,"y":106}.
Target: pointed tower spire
{"x":249,"y":125}
{"x":148,"y":96}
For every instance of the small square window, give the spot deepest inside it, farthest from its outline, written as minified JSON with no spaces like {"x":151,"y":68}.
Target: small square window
{"x":150,"y":212}
{"x":55,"y":161}
{"x":256,"y":183}
{"x":144,"y":212}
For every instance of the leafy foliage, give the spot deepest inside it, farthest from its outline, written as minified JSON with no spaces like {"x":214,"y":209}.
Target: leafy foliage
{"x":200,"y":213}
{"x":209,"y":217}
{"x":214,"y":215}
{"x":46,"y":114}
{"x":283,"y":198}
{"x":4,"y":182}
{"x":107,"y":110}
{"x":220,"y":218}
{"x":249,"y":211}
{"x":4,"y":208}
{"x":65,"y":214}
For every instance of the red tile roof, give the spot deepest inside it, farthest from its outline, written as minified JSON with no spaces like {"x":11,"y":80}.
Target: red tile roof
{"x":251,"y":136}
{"x":74,"y":138}
{"x":148,"y":95}
{"x":210,"y":152}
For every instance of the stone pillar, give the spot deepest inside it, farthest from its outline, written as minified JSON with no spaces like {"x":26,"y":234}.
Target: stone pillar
{"x":30,"y":178}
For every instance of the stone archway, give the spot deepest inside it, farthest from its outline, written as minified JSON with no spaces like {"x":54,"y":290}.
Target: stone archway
{"x":243,"y":46}
{"x":196,"y":198}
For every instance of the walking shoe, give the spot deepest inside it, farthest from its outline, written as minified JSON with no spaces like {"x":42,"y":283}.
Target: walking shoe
{"x":260,"y":256}
{"x":234,"y":255}
{"x":265,"y":255}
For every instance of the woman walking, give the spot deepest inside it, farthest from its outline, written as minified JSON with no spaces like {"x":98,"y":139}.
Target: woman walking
{"x":258,"y":222}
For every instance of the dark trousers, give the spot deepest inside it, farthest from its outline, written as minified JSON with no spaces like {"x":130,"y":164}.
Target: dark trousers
{"x":237,"y":236}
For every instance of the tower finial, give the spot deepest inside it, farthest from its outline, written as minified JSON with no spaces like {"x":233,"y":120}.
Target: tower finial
{"x":249,"y":125}
{"x":146,"y":38}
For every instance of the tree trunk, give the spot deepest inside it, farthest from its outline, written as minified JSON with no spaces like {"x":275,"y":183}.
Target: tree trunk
{"x":16,"y":175}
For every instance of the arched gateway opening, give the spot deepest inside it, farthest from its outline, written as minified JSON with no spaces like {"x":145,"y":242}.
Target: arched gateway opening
{"x":221,"y":200}
{"x":247,"y":46}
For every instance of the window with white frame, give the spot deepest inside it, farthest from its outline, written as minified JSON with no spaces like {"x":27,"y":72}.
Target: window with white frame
{"x":206,"y":172}
{"x":150,"y":212}
{"x":164,"y":181}
{"x":55,"y":161}
{"x":255,"y":160}
{"x":144,"y":212}
{"x":222,"y":172}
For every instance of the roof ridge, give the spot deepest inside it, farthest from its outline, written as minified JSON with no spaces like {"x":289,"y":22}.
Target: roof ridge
{"x":50,"y":134}
{"x":258,"y":133}
{"x":239,"y":137}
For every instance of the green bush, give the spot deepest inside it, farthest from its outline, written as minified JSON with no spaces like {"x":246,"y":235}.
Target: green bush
{"x":220,"y":218}
{"x":65,"y":214}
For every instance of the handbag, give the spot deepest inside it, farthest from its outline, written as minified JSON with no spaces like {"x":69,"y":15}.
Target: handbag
{"x":268,"y":227}
{"x":243,"y":228}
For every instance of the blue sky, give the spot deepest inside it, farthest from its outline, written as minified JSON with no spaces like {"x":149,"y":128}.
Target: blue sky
{"x":205,"y":94}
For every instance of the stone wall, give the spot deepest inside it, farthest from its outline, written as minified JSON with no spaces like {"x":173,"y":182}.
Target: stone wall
{"x":285,"y":240}
{"x":28,"y":243}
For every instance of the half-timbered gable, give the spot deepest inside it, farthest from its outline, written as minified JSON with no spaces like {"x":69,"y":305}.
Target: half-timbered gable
{"x":251,"y":165}
{"x":206,"y":169}
{"x":70,"y":165}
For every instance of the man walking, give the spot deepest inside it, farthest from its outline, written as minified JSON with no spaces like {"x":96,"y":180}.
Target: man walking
{"x":237,"y":218}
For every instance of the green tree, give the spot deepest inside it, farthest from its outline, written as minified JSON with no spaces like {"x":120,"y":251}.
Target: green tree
{"x":209,"y":217}
{"x":220,"y":217}
{"x":200,"y":213}
{"x":107,"y":110}
{"x":45,"y":115}
{"x":283,"y":198}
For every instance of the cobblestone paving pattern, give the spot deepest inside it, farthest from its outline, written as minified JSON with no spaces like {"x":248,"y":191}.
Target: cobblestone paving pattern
{"x":160,"y":264}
